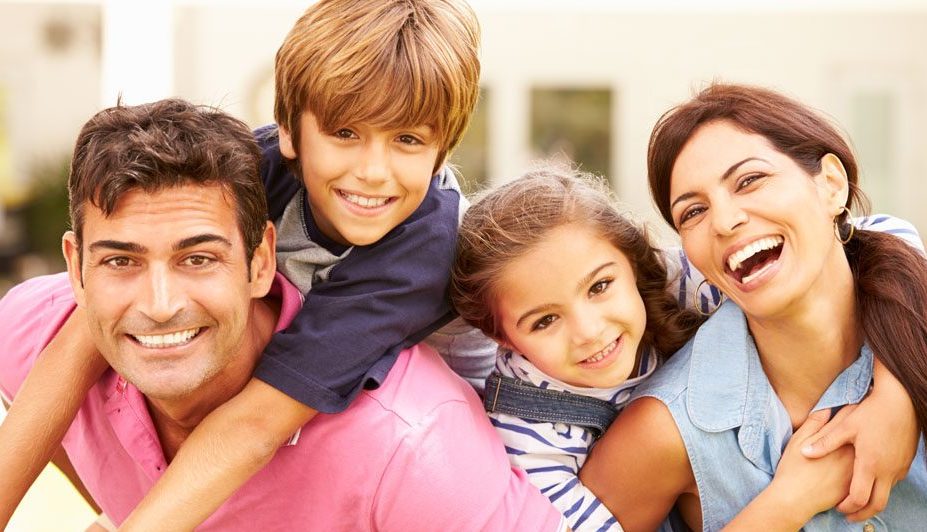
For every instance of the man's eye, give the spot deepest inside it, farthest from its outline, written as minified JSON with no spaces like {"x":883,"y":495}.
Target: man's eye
{"x":544,"y":322}
{"x":118,"y":262}
{"x":198,"y":260}
{"x":600,"y":287}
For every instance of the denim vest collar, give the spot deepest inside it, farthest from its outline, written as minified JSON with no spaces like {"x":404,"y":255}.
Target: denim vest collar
{"x":727,"y":388}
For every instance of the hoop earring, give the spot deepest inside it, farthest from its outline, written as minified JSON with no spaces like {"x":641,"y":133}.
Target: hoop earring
{"x":698,"y":307}
{"x":838,"y":232}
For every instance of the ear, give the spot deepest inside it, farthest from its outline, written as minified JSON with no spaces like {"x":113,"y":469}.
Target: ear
{"x":264,"y":263}
{"x":286,"y":143}
{"x":71,"y":251}
{"x":835,"y":182}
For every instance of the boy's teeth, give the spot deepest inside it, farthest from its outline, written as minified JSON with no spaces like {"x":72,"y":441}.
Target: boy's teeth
{"x":364,"y":201}
{"x":737,"y":258}
{"x":167,"y":340}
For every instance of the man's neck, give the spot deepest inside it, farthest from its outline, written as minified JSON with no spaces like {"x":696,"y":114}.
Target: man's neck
{"x":175,"y":419}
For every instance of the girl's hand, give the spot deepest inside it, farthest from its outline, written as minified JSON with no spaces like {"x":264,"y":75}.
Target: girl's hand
{"x":887,"y":415}
{"x":811,"y":486}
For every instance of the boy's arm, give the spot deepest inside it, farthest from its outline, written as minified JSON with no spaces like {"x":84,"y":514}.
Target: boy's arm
{"x":227,"y":448}
{"x":44,"y":407}
{"x":551,"y":459}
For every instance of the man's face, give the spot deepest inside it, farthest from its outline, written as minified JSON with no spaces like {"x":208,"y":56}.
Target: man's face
{"x":165,"y":285}
{"x":362,"y":180}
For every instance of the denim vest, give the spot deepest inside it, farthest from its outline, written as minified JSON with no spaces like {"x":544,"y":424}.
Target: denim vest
{"x":735,"y":427}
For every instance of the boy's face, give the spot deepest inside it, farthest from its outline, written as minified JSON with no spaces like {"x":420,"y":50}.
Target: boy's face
{"x":362,"y":181}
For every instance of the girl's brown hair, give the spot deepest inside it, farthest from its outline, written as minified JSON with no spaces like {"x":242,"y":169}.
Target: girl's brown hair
{"x":508,"y":221}
{"x":890,"y":276}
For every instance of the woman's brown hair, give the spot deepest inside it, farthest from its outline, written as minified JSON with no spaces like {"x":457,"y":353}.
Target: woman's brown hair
{"x":507,"y":222}
{"x":890,"y":276}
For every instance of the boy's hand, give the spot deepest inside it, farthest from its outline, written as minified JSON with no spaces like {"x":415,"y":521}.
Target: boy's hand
{"x":886,"y":415}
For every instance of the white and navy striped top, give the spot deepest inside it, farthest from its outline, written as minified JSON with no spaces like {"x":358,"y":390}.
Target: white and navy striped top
{"x":553,"y":453}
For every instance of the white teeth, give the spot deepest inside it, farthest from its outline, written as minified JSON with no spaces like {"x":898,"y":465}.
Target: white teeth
{"x":737,"y":258}
{"x":601,"y":354}
{"x":364,"y":201}
{"x":166,"y":340}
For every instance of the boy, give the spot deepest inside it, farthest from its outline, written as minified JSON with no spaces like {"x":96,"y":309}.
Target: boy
{"x":371,"y":96}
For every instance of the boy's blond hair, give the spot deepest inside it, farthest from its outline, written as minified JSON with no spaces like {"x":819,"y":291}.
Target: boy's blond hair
{"x":387,"y":63}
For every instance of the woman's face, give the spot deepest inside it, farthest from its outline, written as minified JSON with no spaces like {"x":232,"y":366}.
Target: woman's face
{"x":754,"y":222}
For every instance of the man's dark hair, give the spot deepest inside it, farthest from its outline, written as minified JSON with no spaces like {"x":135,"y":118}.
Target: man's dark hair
{"x":166,"y":144}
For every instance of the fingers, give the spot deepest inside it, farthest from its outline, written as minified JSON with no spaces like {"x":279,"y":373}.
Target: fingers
{"x":833,"y":436}
{"x":861,"y":489}
{"x":877,"y":502}
{"x":813,"y":423}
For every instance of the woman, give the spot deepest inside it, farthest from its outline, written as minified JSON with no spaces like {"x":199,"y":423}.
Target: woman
{"x":758,"y":187}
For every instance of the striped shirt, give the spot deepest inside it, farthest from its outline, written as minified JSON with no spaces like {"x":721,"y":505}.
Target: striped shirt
{"x":553,"y":453}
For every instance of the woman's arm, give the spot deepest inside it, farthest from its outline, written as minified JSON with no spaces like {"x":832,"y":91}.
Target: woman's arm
{"x":803,"y":486}
{"x":887,"y":414}
{"x":227,"y":448}
{"x":639,"y":468}
{"x":44,"y":407}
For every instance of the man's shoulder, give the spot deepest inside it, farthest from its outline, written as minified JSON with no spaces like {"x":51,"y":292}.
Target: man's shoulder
{"x":32,"y":312}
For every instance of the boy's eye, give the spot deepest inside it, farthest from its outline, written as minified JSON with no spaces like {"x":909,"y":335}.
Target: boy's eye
{"x":544,"y":322}
{"x":345,"y":133}
{"x":409,"y":139}
{"x":599,"y":287}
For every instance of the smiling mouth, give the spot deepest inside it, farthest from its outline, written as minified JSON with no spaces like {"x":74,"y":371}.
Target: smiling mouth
{"x":365,"y":202}
{"x":755,"y":258}
{"x":601,"y":354}
{"x":163,"y":341}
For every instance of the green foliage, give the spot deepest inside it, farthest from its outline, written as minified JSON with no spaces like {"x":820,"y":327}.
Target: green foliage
{"x":45,"y":214}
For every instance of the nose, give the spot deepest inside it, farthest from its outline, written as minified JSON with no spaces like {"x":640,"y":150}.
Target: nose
{"x":588,"y":326}
{"x":726,"y":216}
{"x":373,"y":164}
{"x":162,"y":298}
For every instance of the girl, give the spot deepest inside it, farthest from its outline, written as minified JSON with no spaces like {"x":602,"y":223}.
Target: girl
{"x":578,"y":299}
{"x":758,"y":187}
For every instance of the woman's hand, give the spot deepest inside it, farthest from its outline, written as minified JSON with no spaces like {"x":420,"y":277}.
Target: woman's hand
{"x":886,"y":415}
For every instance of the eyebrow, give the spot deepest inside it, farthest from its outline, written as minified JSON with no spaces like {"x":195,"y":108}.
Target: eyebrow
{"x":204,"y":238}
{"x":724,"y":176}
{"x":579,"y":286}
{"x":117,"y":245}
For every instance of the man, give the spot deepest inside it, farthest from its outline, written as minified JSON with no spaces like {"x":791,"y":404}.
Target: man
{"x":171,"y":261}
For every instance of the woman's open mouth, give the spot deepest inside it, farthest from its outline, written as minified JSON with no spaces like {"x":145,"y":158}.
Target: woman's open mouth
{"x":754,"y":259}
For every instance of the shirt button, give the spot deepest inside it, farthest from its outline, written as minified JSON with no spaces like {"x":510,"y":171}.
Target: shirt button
{"x":868,"y":527}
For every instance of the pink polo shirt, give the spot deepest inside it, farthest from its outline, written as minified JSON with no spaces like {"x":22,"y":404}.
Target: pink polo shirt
{"x":418,"y":453}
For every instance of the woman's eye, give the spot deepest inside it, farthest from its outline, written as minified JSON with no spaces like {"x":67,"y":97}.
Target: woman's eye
{"x":544,"y":322}
{"x":747,"y":180}
{"x":600,"y":287}
{"x":690,"y":213}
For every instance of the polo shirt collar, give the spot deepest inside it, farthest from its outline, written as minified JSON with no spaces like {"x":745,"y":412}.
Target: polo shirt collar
{"x":728,"y":389}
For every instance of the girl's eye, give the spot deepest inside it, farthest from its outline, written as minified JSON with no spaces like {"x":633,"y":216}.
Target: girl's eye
{"x":599,"y":287}
{"x":345,"y":133}
{"x":198,"y":260}
{"x":544,"y":322}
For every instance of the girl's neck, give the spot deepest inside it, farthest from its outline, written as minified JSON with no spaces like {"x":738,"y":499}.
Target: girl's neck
{"x":813,"y":340}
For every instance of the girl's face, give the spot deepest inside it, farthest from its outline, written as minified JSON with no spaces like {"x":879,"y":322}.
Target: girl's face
{"x":571,"y":307}
{"x":754,"y":222}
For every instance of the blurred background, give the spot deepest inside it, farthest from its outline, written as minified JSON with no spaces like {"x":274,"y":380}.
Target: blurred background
{"x":579,"y":79}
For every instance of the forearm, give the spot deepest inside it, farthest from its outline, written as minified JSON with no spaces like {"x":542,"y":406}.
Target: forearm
{"x":43,"y":409}
{"x":227,"y":448}
{"x":768,"y":512}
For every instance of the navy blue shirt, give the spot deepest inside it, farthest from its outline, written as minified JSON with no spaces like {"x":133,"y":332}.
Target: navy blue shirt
{"x":378,"y":300}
